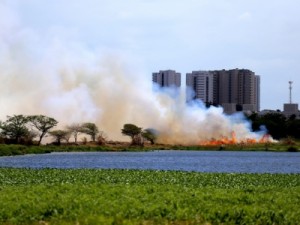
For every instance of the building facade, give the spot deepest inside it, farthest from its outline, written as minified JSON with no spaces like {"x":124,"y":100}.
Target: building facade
{"x":235,"y":90}
{"x":199,"y":85}
{"x":167,"y":78}
{"x":290,"y":109}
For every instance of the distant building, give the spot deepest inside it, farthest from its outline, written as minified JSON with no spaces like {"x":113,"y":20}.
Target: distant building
{"x":200,"y":86}
{"x":167,"y":78}
{"x":290,"y":108}
{"x":235,"y":90}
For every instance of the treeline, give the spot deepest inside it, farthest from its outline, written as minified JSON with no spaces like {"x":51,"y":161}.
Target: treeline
{"x":31,"y":130}
{"x":277,"y":125}
{"x":20,"y":129}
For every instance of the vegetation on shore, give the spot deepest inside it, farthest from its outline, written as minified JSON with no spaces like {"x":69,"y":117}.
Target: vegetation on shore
{"x":85,"y":196}
{"x":10,"y":150}
{"x":21,"y":134}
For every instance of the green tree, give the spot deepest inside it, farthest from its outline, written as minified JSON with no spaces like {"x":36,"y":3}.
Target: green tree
{"x":275,"y":123}
{"x":59,"y":135}
{"x":133,"y":132}
{"x":90,"y":129}
{"x":15,"y":128}
{"x":42,"y":124}
{"x":150,"y":135}
{"x":293,"y":128}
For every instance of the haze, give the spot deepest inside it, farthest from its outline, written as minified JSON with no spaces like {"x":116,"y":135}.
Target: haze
{"x":92,"y":60}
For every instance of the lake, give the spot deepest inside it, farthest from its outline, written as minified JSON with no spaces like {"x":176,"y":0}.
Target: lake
{"x":201,"y":161}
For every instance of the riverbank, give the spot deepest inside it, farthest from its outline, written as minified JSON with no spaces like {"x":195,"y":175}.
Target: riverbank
{"x":9,"y":150}
{"x":52,"y":196}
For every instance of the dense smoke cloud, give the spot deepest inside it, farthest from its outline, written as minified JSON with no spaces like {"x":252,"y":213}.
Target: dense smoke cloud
{"x":52,"y":74}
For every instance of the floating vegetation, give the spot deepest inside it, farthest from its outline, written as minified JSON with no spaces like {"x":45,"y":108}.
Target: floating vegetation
{"x":90,"y":196}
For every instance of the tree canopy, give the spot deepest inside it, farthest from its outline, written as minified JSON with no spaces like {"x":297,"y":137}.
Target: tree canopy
{"x":132,"y":131}
{"x":150,"y":134}
{"x":59,"y":135}
{"x":43,"y":124}
{"x":90,"y":129}
{"x":277,"y":125}
{"x":15,"y":128}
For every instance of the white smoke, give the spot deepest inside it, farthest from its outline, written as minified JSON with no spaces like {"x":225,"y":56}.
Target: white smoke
{"x":56,"y":76}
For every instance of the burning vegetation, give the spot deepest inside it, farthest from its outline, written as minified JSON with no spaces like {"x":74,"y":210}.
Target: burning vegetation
{"x":266,"y":138}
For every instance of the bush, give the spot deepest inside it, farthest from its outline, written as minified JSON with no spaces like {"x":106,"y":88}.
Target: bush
{"x":292,"y":149}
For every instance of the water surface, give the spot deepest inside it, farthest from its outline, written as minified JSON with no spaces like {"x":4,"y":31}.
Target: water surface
{"x":201,"y":161}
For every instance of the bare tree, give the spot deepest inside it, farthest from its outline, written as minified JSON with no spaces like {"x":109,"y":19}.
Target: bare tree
{"x":59,"y":135}
{"x":75,"y":129}
{"x":101,"y":138}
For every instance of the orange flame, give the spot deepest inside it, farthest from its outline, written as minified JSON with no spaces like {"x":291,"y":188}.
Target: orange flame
{"x":233,"y":140}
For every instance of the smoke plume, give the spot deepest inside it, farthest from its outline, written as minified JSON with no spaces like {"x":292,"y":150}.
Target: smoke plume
{"x":53,"y":75}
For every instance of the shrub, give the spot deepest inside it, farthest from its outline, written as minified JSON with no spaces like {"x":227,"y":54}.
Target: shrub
{"x":292,"y":149}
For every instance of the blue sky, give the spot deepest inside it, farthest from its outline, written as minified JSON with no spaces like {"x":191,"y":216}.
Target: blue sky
{"x":152,"y":35}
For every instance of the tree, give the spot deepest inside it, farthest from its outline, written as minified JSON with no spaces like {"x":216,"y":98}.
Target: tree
{"x":101,"y":138}
{"x":90,"y":129}
{"x":75,"y":129}
{"x":43,"y":124}
{"x":60,"y":135}
{"x":150,"y":135}
{"x":134,"y":132}
{"x":275,"y":123}
{"x":293,"y":128}
{"x":15,"y":127}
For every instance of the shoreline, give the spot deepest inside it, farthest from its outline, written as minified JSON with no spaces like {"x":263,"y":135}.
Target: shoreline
{"x":10,"y":150}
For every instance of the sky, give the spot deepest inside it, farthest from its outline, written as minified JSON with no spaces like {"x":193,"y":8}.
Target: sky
{"x":152,"y":35}
{"x":92,"y":60}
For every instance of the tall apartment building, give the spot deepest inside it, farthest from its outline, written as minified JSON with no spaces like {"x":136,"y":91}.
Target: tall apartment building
{"x":235,"y":90}
{"x":200,"y":85}
{"x":167,"y":78}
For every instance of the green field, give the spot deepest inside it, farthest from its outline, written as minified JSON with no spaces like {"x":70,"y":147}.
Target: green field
{"x":53,"y":196}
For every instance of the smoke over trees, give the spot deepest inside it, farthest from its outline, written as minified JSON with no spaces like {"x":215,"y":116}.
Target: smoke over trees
{"x":277,"y":124}
{"x":75,"y":129}
{"x":20,"y":129}
{"x":90,"y":129}
{"x":75,"y":83}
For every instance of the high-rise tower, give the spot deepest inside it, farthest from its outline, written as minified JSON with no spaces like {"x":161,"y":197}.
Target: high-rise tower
{"x":199,"y":85}
{"x":235,"y":90}
{"x":167,"y":78}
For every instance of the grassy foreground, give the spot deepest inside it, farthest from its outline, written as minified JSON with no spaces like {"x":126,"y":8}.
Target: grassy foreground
{"x":53,"y":196}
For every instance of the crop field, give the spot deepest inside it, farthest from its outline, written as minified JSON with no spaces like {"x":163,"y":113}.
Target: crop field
{"x":90,"y":196}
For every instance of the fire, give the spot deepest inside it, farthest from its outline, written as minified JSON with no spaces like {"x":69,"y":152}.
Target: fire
{"x":233,"y":140}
